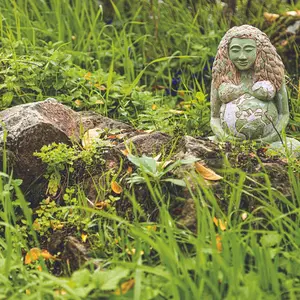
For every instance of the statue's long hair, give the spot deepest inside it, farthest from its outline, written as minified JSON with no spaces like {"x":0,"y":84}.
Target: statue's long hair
{"x":268,"y":64}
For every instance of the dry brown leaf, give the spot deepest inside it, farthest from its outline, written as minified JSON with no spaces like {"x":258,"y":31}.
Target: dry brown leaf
{"x":46,"y":255}
{"x":32,"y":255}
{"x":125,"y":287}
{"x":207,"y":173}
{"x":219,"y":223}
{"x":125,"y":152}
{"x":116,"y":187}
{"x":270,"y":17}
{"x":100,"y":205}
{"x":129,"y":170}
{"x":35,"y":253}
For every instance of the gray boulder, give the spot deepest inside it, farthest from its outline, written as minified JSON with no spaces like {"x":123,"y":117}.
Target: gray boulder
{"x":30,"y":126}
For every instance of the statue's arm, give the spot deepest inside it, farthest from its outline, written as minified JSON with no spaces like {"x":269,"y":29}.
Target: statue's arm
{"x":228,"y":92}
{"x":215,"y":121}
{"x":281,"y":102}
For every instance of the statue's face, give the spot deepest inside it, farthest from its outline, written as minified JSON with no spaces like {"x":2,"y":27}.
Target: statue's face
{"x":242,"y":52}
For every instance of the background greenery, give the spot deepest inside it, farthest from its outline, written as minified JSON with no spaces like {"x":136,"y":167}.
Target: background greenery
{"x":147,"y":63}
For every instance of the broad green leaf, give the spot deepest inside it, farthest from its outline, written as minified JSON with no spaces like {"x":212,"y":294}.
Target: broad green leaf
{"x":81,"y":277}
{"x":179,"y":182}
{"x":134,"y":159}
{"x":148,"y":163}
{"x":109,"y":280}
{"x":271,"y":239}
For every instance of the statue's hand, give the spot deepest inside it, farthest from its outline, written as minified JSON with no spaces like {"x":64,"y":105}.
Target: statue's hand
{"x":221,"y":135}
{"x":273,"y":137}
{"x":228,"y":92}
{"x":276,"y":134}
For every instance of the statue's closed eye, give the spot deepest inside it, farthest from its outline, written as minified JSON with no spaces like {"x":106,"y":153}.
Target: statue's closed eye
{"x":249,"y":48}
{"x":235,"y":48}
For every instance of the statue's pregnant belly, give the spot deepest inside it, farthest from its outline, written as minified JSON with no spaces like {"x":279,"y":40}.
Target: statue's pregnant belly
{"x":248,"y":117}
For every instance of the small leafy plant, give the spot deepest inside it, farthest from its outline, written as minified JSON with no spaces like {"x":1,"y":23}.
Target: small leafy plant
{"x":155,"y":170}
{"x":58,"y":157}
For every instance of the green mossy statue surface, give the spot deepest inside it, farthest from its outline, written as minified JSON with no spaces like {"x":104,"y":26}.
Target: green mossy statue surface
{"x":248,"y":94}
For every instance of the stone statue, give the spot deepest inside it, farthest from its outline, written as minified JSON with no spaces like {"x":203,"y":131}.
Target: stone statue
{"x":248,"y":94}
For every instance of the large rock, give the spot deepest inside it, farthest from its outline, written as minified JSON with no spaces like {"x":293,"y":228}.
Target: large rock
{"x":30,"y":126}
{"x":89,"y":120}
{"x":148,"y":143}
{"x":189,"y":147}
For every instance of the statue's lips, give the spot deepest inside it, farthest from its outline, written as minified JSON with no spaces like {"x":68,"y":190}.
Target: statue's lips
{"x":243,"y":63}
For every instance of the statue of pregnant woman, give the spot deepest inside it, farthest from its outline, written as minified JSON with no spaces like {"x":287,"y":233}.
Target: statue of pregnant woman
{"x":248,"y":94}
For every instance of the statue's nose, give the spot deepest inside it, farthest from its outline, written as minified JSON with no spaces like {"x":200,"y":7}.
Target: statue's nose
{"x":242,"y":56}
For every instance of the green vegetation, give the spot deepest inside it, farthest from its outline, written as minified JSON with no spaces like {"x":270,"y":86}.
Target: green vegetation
{"x":146,"y":63}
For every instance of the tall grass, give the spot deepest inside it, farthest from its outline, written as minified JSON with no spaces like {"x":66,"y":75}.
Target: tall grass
{"x":255,"y":257}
